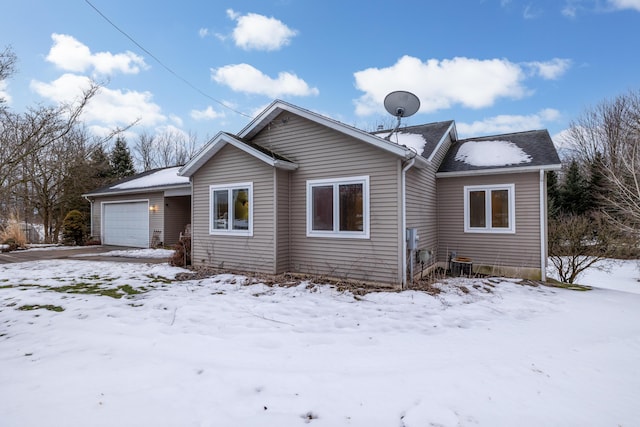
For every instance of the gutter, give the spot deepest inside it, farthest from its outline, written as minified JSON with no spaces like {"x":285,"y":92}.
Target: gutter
{"x":404,"y":221}
{"x":543,"y":231}
{"x":495,"y":171}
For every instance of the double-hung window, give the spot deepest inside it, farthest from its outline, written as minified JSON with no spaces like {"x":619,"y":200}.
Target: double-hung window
{"x":338,"y":207}
{"x":489,"y":209}
{"x":231,"y":209}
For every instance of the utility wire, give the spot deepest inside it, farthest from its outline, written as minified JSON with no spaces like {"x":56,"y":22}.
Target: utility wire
{"x":163,"y":65}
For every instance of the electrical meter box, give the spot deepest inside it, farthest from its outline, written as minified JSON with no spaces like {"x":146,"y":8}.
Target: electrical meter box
{"x":412,"y":239}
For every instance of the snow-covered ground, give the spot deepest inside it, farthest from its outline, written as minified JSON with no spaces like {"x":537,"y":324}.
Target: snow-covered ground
{"x":218,"y":352}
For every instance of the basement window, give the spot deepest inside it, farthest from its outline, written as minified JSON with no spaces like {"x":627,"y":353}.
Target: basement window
{"x":338,"y":208}
{"x":231,"y":209}
{"x":489,"y":209}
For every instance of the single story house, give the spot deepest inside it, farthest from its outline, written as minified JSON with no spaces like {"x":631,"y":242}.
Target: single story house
{"x":295,"y":191}
{"x":146,"y":210}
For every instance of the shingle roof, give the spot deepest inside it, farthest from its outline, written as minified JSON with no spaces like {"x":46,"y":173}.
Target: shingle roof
{"x":161,"y":178}
{"x":536,"y":146}
{"x":431,"y":133}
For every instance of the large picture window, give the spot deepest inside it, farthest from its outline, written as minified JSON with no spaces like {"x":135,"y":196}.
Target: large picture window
{"x":489,"y":209}
{"x":338,"y":207}
{"x":231,"y":210}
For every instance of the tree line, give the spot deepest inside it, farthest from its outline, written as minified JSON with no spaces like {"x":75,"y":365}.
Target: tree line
{"x":594,"y":203}
{"x":48,"y":159}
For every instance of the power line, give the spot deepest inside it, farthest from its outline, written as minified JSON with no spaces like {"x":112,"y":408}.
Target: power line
{"x":185,"y":81}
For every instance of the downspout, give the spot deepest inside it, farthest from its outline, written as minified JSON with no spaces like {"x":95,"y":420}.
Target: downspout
{"x":404,"y":221}
{"x":543,"y":229}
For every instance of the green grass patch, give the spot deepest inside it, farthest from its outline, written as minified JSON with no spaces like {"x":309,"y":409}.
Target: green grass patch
{"x":159,"y":279}
{"x":84,"y":288}
{"x":49,"y":307}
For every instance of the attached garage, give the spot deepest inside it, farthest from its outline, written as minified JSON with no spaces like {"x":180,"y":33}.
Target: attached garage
{"x":150,"y":209}
{"x":126,"y":223}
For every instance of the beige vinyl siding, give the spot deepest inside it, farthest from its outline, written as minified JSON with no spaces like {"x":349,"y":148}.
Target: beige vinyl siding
{"x":421,"y":207}
{"x":322,"y":153}
{"x":282,"y":230}
{"x":239,"y":253}
{"x":155,"y":218}
{"x":177,"y":214}
{"x":519,"y":250}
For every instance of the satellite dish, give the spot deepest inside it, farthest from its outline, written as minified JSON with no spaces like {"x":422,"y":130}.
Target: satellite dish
{"x":400,"y":104}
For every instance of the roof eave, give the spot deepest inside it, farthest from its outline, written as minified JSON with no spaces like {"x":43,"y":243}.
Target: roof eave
{"x":278,"y":106}
{"x":499,"y":171}
{"x":117,"y":192}
{"x":450,"y":130}
{"x":219,"y":142}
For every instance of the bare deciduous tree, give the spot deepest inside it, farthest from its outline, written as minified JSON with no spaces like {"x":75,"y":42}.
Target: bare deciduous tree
{"x":21,"y":135}
{"x":144,"y":151}
{"x":609,"y":134}
{"x":579,"y":242}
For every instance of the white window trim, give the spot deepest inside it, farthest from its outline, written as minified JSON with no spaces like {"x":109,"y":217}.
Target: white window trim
{"x":511,"y":188}
{"x":230,"y":188}
{"x":336,"y":233}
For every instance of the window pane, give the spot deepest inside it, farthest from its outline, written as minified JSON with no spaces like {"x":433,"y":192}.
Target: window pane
{"x":241,"y":209}
{"x":351,"y":209}
{"x":220,"y":209}
{"x":500,"y":208}
{"x":322,"y":210}
{"x":477,"y":210}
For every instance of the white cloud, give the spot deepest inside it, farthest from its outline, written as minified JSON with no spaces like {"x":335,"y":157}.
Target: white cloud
{"x":473,"y":83}
{"x":176,"y":119}
{"x":531,"y":13}
{"x":203,"y":32}
{"x":550,"y":70}
{"x":69,"y":54}
{"x":247,"y":79}
{"x":569,"y":11}
{"x":625,"y":4}
{"x":4,"y":95}
{"x":207,"y":114}
{"x":259,"y":32}
{"x":108,"y":107}
{"x":508,"y":123}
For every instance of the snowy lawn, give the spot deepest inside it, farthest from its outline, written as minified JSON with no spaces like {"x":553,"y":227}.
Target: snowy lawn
{"x":118,"y":344}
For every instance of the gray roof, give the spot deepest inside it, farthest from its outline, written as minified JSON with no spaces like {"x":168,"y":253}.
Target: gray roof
{"x":432,"y":133}
{"x":536,"y":146}
{"x":151,"y":180}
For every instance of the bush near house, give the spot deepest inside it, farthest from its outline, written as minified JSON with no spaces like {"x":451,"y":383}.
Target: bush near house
{"x":182,"y":255}
{"x":74,"y":228}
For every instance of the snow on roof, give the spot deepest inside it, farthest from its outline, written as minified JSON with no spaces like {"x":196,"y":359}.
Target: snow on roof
{"x":491,"y":153}
{"x":159,"y":178}
{"x":414,"y":141}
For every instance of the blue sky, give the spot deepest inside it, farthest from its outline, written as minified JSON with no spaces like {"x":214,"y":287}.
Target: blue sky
{"x":493,"y":66}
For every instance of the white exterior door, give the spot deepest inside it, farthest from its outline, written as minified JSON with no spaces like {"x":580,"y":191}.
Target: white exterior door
{"x":126,"y":224}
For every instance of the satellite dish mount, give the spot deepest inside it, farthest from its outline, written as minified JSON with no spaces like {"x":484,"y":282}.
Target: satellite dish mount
{"x":400,"y":104}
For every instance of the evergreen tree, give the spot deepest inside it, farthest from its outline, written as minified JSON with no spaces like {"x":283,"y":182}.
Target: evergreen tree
{"x":574,"y":192}
{"x":121,"y":160}
{"x":100,"y":167}
{"x":553,"y":193}
{"x":597,"y":189}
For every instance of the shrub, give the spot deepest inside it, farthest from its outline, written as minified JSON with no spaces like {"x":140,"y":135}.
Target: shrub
{"x":182,"y":253}
{"x":13,"y":235}
{"x":74,"y":228}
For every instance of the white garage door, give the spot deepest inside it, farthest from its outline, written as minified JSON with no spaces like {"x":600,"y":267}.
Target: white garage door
{"x":126,"y":224}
